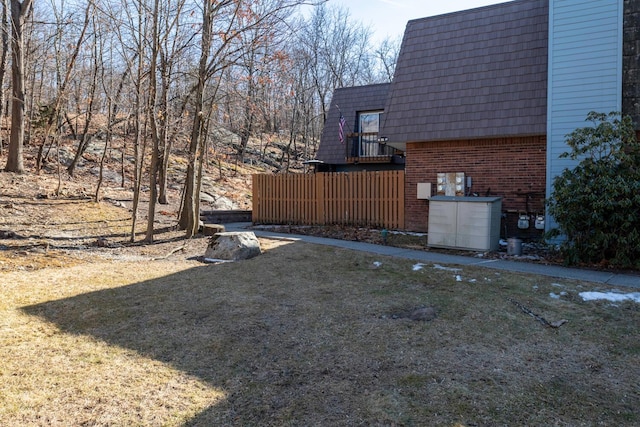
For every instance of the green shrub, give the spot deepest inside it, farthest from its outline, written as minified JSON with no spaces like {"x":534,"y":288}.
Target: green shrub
{"x":597,"y":204}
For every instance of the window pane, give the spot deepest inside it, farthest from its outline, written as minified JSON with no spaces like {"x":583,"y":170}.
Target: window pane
{"x":369,"y":122}
{"x":369,"y":128}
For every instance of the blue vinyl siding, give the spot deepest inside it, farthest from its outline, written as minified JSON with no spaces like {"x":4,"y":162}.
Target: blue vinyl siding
{"x":585,"y":71}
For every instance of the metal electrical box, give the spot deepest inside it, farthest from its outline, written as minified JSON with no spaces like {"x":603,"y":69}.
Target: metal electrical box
{"x":465,"y":222}
{"x":450,"y":184}
{"x":424,"y":190}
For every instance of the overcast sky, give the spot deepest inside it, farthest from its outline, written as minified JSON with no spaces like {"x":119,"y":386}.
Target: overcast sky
{"x":389,"y":17}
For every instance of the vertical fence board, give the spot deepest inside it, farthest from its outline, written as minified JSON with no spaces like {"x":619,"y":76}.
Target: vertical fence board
{"x":373,"y":199}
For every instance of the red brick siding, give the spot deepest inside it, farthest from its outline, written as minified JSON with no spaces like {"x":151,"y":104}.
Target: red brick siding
{"x":514,"y":168}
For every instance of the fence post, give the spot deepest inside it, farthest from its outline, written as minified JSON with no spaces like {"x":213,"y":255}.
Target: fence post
{"x":319,"y":189}
{"x":255,"y":197}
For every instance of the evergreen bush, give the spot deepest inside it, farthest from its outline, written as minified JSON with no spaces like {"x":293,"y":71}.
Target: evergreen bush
{"x":596,"y":205}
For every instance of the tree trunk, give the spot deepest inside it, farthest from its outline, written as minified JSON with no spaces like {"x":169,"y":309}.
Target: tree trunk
{"x":139,"y":143}
{"x":190,"y":214}
{"x":3,"y":61}
{"x":86,"y":139}
{"x":165,"y":141}
{"x":153,"y":122}
{"x":19,"y":11}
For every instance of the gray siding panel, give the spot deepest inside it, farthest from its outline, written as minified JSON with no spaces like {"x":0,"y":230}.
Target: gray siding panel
{"x":585,"y":71}
{"x":471,"y":74}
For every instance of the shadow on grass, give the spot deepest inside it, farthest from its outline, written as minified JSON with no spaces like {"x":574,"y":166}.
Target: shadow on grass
{"x":302,"y":336}
{"x":259,"y":330}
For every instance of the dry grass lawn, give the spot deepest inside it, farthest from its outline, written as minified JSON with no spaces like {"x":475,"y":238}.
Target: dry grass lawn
{"x":310,"y":336}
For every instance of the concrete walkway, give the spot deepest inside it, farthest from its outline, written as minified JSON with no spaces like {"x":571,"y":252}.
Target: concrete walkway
{"x":594,"y":276}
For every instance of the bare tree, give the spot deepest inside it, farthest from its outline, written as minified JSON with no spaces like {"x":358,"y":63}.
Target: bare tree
{"x":58,"y":102}
{"x":4,"y":31}
{"x":387,"y":55}
{"x":129,"y":24}
{"x":19,"y":12}
{"x":223,"y":24}
{"x":179,"y":70}
{"x":153,"y":121}
{"x":171,"y":44}
{"x":337,"y":51}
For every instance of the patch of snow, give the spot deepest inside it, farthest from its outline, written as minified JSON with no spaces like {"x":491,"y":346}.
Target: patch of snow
{"x":458,"y":278}
{"x":440,"y":267}
{"x":215,"y":260}
{"x":407,"y":233}
{"x":610,"y":296}
{"x":377,"y":263}
{"x":417,"y":267}
{"x":557,"y":296}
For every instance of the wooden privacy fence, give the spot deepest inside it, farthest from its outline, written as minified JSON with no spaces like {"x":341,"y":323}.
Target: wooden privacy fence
{"x":372,"y":199}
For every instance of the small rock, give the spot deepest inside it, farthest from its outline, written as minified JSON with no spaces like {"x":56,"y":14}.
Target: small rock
{"x":101,"y":243}
{"x":424,"y":314}
{"x":7,"y":234}
{"x":419,"y":314}
{"x":206,"y":198}
{"x":212,"y":229}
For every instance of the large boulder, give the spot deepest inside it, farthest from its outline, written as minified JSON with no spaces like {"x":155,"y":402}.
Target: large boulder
{"x":233,"y":246}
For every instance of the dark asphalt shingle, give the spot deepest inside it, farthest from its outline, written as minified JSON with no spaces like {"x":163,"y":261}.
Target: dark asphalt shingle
{"x":477,"y":73}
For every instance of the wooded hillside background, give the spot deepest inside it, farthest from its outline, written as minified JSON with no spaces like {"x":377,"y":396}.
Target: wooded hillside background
{"x":152,"y":78}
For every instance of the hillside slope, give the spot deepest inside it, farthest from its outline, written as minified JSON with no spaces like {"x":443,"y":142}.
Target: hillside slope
{"x":50,"y":218}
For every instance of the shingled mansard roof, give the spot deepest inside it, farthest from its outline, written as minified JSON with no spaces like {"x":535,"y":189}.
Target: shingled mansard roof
{"x":477,"y":73}
{"x":350,"y":101}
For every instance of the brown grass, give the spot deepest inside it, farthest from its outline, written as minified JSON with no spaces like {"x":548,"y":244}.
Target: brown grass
{"x":302,"y":335}
{"x":309,"y":335}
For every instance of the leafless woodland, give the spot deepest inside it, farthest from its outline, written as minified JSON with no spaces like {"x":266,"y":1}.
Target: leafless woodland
{"x":151,"y":79}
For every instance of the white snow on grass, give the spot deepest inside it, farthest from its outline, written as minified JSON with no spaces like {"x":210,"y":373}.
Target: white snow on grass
{"x":557,"y":296}
{"x":440,"y":267}
{"x":610,"y":296}
{"x":417,"y":267}
{"x":407,"y":233}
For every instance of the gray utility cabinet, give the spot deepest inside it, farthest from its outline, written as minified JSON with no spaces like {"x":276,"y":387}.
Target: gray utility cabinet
{"x":465,"y":222}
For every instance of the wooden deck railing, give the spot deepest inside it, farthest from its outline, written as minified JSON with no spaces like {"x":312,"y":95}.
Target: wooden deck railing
{"x":365,"y":148}
{"x":372,"y":199}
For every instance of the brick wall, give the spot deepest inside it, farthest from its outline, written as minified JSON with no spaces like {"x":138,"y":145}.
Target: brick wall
{"x":513,"y":168}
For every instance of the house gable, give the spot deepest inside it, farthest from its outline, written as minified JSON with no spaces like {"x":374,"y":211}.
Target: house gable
{"x":349,"y":101}
{"x":477,"y":73}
